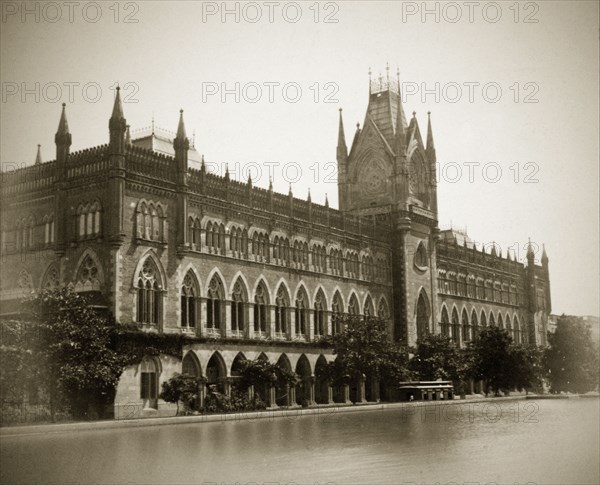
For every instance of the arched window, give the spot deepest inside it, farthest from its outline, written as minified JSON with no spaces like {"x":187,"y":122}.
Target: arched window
{"x":369,"y":311}
{"x":150,"y":221}
{"x":500,"y":321}
{"x":282,"y":302}
{"x":51,"y":278}
{"x":466,"y":331}
{"x":319,"y":315}
{"x":337,"y":310}
{"x":88,"y":276}
{"x":383,"y":310}
{"x":422,"y":315}
{"x":455,"y":326}
{"x":189,"y":301}
{"x":238,"y":299}
{"x":492,"y":320}
{"x":483,"y":320}
{"x":445,"y":323}
{"x":421,"y":258}
{"x":260,"y":309}
{"x":214,"y":306}
{"x":353,"y":305}
{"x":516,"y":330}
{"x":474,"y":324}
{"x":149,"y":382}
{"x":49,"y":229}
{"x":301,"y":312}
{"x":149,"y":296}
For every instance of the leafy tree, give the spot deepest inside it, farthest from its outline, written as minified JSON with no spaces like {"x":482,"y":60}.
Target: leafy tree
{"x":492,"y":359}
{"x":571,"y":360}
{"x":526,"y":366}
{"x":435,"y":357}
{"x":182,"y":388}
{"x":259,"y":372}
{"x":76,"y":344}
{"x":364,"y":347}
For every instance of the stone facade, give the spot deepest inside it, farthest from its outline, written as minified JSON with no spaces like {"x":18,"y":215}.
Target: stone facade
{"x":175,"y":249}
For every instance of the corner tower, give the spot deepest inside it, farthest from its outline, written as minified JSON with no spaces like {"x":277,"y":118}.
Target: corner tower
{"x":390,"y":173}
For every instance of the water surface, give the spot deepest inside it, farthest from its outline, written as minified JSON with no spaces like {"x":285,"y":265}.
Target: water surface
{"x":546,"y":441}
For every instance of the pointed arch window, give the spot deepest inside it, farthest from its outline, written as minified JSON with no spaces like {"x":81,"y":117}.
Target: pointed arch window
{"x":282,"y":303}
{"x":149,"y":295}
{"x":51,"y":279}
{"x":455,"y":326}
{"x":150,"y":221}
{"x":189,"y":301}
{"x":319,"y":315}
{"x":300,"y":313}
{"x":214,"y":304}
{"x":445,"y":324}
{"x":422,"y":315}
{"x":260,"y":310}
{"x":337,"y":310}
{"x":369,"y":311}
{"x":149,"y":381}
{"x":466,"y":330}
{"x":353,"y":306}
{"x":238,"y":299}
{"x":88,"y":276}
{"x":421,"y":257}
{"x":474,"y":324}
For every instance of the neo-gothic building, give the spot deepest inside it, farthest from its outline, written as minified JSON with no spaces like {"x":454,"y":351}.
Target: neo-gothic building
{"x":142,"y":228}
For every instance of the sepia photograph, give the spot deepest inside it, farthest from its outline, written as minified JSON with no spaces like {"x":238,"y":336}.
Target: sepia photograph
{"x":300,"y":242}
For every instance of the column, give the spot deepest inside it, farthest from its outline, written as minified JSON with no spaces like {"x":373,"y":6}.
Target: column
{"x":360,"y":390}
{"x":227,"y":324}
{"x":271,"y":317}
{"x":310,"y":317}
{"x":272,"y":397}
{"x":347,"y":394}
{"x":329,"y":394}
{"x":292,"y":395}
{"x":311,"y":390}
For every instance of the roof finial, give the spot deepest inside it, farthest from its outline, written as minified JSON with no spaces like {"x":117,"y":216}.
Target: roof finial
{"x":127,"y":136}
{"x":38,"y":157}
{"x":194,"y":138}
{"x":370,"y":80}
{"x":270,"y":183}
{"x":387,"y":72}
{"x":63,"y":125}
{"x":181,"y":134}
{"x":309,"y":199}
{"x":118,"y":107}
{"x":326,"y":201}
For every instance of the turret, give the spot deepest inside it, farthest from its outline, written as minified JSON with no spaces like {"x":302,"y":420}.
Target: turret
{"x":63,"y":143}
{"x":38,"y":157}
{"x":342,"y":160}
{"x":117,"y":126}
{"x":181,"y":144}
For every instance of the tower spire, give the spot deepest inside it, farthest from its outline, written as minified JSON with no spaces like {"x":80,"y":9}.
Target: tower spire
{"x":342,"y":148}
{"x":127,"y":136}
{"x":63,"y":124}
{"x":400,"y":121}
{"x":117,"y":126}
{"x":38,"y":157}
{"x":430,"y":145}
{"x":181,"y":134}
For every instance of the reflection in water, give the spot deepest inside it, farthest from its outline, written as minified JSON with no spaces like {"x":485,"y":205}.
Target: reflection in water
{"x":505,"y":442}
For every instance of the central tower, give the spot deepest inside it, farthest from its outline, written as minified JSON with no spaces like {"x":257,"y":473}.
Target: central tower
{"x":390,"y":173}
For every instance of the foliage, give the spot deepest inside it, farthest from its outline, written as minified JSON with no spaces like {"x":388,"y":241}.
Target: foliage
{"x":364,"y":348}
{"x":436,"y":357}
{"x":182,"y":388}
{"x":77,"y":346}
{"x":239,"y":401}
{"x":571,"y":360}
{"x":526,"y":366}
{"x":493,"y":360}
{"x":260,"y":372}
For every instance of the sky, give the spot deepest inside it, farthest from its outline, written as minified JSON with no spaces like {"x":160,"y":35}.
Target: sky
{"x":513,"y":91}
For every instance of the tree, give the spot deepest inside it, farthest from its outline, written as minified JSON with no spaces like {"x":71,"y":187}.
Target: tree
{"x":492,"y":359}
{"x":435,"y":357}
{"x":526,"y":366}
{"x":182,"y":388}
{"x":76,"y":345}
{"x":571,"y":360}
{"x":364,"y":348}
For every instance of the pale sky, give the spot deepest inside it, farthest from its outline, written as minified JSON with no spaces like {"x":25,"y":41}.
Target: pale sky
{"x":173,"y":57}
